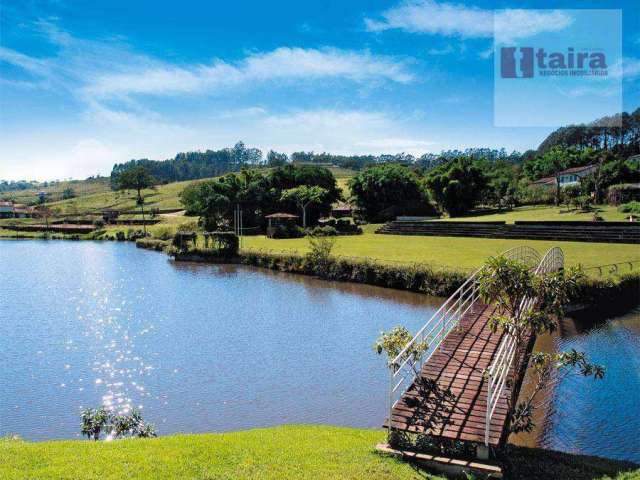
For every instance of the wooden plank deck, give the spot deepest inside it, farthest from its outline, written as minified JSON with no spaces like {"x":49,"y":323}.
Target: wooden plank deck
{"x":458,"y":365}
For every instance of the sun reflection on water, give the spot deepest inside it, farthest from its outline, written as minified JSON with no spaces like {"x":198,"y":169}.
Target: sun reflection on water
{"x":111,"y":325}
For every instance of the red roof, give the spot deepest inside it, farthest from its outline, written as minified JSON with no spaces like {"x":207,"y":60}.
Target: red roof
{"x":577,"y":169}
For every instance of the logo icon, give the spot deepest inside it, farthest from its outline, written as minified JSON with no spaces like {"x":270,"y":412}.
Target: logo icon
{"x":508,"y":62}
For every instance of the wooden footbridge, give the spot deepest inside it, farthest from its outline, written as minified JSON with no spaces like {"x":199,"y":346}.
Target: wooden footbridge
{"x":458,"y":388}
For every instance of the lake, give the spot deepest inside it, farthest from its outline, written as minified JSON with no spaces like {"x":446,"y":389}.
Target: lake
{"x":215,"y":348}
{"x":598,"y":417}
{"x":197,"y":347}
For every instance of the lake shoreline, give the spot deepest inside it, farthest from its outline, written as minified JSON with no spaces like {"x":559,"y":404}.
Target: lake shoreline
{"x":601,"y":297}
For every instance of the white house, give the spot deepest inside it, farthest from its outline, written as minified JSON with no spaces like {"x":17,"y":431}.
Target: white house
{"x":570,"y":176}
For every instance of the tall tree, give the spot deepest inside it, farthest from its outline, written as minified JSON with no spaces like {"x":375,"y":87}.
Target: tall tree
{"x":138,"y":179}
{"x":383,"y":191}
{"x":457,"y":186}
{"x":554,"y":161}
{"x":305,"y":196}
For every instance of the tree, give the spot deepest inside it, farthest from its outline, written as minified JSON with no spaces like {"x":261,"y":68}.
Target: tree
{"x":554,"y":161}
{"x":210,"y":200}
{"x":136,"y":178}
{"x":507,"y":283}
{"x":384,"y":191}
{"x":457,"y":186}
{"x":304,"y":196}
{"x":68,"y":193}
{"x":275,"y":159}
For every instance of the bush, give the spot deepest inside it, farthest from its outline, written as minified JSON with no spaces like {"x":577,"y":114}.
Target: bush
{"x":152,"y":244}
{"x":163,"y":232}
{"x":630,"y":207}
{"x":326,"y":231}
{"x":287,"y":231}
{"x":98,"y":223}
{"x":133,"y":235}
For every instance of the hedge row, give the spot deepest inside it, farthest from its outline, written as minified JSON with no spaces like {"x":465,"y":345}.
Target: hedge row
{"x":624,"y":291}
{"x":416,"y":278}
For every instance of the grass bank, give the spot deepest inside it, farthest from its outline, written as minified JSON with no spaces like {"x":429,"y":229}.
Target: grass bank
{"x":450,"y":253}
{"x":287,"y":452}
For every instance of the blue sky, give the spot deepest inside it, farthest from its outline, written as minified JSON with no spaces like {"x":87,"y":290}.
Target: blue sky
{"x":85,"y":84}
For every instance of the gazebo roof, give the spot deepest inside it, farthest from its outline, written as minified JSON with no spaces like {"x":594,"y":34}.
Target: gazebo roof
{"x":281,"y":215}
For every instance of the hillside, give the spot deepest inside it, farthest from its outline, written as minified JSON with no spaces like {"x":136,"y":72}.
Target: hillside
{"x":54,"y":190}
{"x":162,"y":196}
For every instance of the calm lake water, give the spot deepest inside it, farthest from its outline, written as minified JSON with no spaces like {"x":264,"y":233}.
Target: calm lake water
{"x":198,"y":348}
{"x":599,"y":417}
{"x":212,"y":348}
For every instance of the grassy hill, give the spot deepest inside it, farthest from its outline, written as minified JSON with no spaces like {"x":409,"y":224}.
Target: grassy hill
{"x":162,"y":196}
{"x":81,"y":188}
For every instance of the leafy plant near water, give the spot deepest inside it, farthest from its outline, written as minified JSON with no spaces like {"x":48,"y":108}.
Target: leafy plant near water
{"x":431,"y":405}
{"x":507,"y":283}
{"x":100,"y":421}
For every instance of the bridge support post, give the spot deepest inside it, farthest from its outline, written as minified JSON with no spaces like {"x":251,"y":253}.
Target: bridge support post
{"x":482,"y":452}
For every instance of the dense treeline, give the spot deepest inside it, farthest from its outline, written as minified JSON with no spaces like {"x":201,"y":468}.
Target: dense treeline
{"x":9,"y":185}
{"x":426,"y":161}
{"x":195,"y":165}
{"x":618,"y":134}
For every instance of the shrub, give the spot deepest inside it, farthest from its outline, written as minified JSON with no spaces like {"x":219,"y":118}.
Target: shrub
{"x":326,"y":231}
{"x":630,"y":207}
{"x":163,"y":232}
{"x":133,"y":235}
{"x":102,"y":421}
{"x":152,"y":244}
{"x":98,"y":223}
{"x":287,"y":231}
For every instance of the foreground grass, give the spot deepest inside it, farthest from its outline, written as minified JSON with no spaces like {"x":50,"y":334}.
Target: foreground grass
{"x":546,"y":213}
{"x":447,"y":252}
{"x":287,"y":452}
{"x":291,"y":452}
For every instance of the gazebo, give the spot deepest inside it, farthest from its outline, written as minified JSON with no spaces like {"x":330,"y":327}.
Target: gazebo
{"x":277,"y":219}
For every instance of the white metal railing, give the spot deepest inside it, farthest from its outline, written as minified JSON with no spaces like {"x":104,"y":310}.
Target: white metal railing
{"x":406,"y":366}
{"x":498,"y":371}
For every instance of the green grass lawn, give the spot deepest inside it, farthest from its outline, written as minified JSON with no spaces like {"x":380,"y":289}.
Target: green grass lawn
{"x":290,"y":452}
{"x":287,"y":452}
{"x":545,"y":212}
{"x":448,"y":252}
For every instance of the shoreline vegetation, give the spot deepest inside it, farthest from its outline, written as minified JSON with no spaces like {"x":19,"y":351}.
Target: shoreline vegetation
{"x":289,"y":451}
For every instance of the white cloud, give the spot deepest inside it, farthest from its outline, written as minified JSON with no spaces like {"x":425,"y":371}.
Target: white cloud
{"x":78,"y":158}
{"x":282,"y":64}
{"x":451,"y":19}
{"x":110,"y":83}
